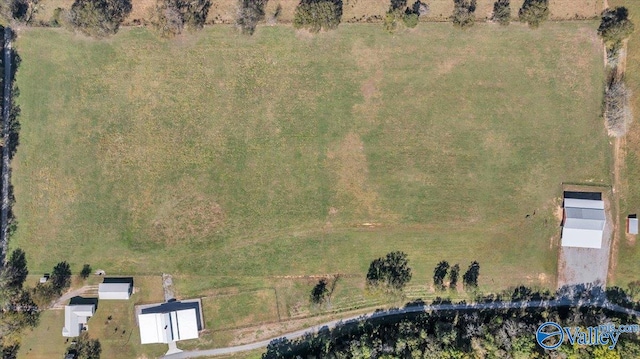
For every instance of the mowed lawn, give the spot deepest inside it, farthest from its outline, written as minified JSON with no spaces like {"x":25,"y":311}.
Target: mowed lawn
{"x":288,"y":154}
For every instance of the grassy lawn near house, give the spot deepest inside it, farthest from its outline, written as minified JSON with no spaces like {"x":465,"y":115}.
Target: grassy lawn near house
{"x":46,"y":340}
{"x":119,"y":336}
{"x":241,"y":309}
{"x":246,"y":160}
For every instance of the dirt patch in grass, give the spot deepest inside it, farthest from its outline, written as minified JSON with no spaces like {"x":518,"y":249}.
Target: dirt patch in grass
{"x":372,"y":63}
{"x":349,"y":163}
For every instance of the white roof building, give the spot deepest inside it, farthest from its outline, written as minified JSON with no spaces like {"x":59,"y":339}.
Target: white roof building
{"x":168,"y":327}
{"x":170,"y":322}
{"x":75,"y":318}
{"x":118,"y":291}
{"x":632,"y":225}
{"x":584,"y":221}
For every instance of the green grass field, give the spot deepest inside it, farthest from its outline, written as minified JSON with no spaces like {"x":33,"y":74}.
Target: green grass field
{"x":242,"y":158}
{"x":628,"y":250}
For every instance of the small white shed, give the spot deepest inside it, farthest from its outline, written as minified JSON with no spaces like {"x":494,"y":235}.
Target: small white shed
{"x":632,"y":224}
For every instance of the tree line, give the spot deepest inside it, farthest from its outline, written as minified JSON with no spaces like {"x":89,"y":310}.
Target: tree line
{"x":101,"y":18}
{"x":392,"y":273}
{"x":479,"y":333}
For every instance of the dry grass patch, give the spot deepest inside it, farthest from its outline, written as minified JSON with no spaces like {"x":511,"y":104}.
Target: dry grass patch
{"x":349,"y":163}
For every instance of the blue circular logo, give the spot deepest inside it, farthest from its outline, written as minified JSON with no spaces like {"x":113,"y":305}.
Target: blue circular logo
{"x":550,"y":335}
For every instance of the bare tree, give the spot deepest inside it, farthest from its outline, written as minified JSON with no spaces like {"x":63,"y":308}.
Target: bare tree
{"x":617,"y":112}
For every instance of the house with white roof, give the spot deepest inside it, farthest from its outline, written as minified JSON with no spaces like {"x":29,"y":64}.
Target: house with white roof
{"x":75,"y":318}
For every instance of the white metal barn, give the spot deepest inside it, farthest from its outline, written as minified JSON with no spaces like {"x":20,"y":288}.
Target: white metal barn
{"x":584,"y":221}
{"x":117,"y":291}
{"x":168,"y":327}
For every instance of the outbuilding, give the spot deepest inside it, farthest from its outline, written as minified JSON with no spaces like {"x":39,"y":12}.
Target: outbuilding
{"x":584,"y":221}
{"x":632,"y":224}
{"x":170,"y":322}
{"x":116,"y":291}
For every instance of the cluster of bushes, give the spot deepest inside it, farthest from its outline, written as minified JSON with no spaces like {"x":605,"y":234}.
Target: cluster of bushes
{"x":98,"y":18}
{"x":534,"y":12}
{"x":172,"y":17}
{"x":23,"y":11}
{"x":392,"y":272}
{"x":615,"y":27}
{"x":502,"y":12}
{"x":400,"y":13}
{"x":470,"y":277}
{"x":464,"y":13}
{"x":249,"y":13}
{"x":85,"y":347}
{"x":316,"y":15}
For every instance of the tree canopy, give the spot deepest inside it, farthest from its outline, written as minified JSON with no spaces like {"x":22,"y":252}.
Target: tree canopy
{"x":85,"y":347}
{"x":453,"y":276}
{"x":316,"y":15}
{"x":615,"y":26}
{"x":470,"y":277}
{"x":319,"y":292}
{"x":171,"y":17}
{"x":86,"y":271}
{"x":439,"y":273}
{"x":502,"y":12}
{"x":534,"y":12}
{"x":392,"y":270}
{"x":99,"y":18}
{"x":464,"y":13}
{"x":61,"y":277}
{"x":15,"y":270}
{"x":249,"y":13}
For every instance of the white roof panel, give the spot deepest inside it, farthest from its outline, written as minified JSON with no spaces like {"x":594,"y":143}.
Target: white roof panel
{"x":633,"y":225}
{"x":168,"y":327}
{"x":154,"y":328}
{"x":187,"y":324}
{"x":583,"y":203}
{"x":578,"y":223}
{"x":583,"y":238}
{"x":114,"y":287}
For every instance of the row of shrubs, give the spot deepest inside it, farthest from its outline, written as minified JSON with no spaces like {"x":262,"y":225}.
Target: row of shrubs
{"x":315,"y":15}
{"x":100,"y":18}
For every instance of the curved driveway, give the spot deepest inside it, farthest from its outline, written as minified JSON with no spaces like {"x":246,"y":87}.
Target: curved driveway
{"x":414,"y":309}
